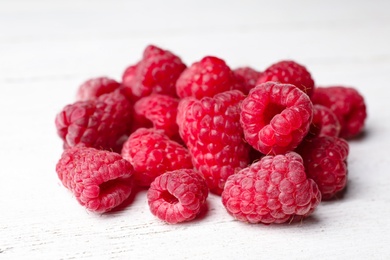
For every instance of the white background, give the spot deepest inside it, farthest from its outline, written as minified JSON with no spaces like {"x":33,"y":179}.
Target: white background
{"x":48,"y":48}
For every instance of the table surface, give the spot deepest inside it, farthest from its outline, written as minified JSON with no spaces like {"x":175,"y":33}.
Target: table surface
{"x":48,"y":48}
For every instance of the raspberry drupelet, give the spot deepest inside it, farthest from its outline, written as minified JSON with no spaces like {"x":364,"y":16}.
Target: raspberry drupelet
{"x":276,"y":117}
{"x":100,"y":180}
{"x":177,"y":196}
{"x":272,"y":190}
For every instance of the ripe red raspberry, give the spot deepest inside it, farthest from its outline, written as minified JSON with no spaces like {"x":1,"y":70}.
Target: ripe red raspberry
{"x":177,"y":196}
{"x":152,"y":153}
{"x":272,"y":190}
{"x":158,"y":111}
{"x":289,"y":72}
{"x":211,"y":129}
{"x":206,"y":78}
{"x":325,"y":160}
{"x":248,"y":76}
{"x":347,"y":104}
{"x":95,"y":87}
{"x":157,"y":72}
{"x":276,"y":117}
{"x":100,"y":180}
{"x":324,"y":123}
{"x":100,"y":123}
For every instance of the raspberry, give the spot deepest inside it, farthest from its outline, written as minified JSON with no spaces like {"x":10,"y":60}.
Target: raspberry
{"x":347,"y":104}
{"x":152,"y":153}
{"x":206,"y":78}
{"x":289,"y":72}
{"x":101,"y":123}
{"x":325,"y":160}
{"x":157,"y":72}
{"x":248,"y":76}
{"x":96,"y":87}
{"x":177,"y":196}
{"x":158,"y":111}
{"x":272,"y":190}
{"x":211,"y":129}
{"x":100,"y":180}
{"x":324,"y":123}
{"x":276,"y":117}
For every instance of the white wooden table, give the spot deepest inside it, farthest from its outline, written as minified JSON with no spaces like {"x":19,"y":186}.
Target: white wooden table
{"x":47,"y":48}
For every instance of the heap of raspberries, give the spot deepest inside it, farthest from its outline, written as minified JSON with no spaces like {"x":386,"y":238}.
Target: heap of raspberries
{"x":272,"y":144}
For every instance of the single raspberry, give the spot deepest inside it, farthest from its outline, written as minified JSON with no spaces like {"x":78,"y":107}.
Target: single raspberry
{"x":177,"y":196}
{"x":157,"y":72}
{"x":95,"y":87}
{"x":248,"y":76}
{"x":325,"y":160}
{"x":211,"y":129}
{"x":206,"y":78}
{"x":276,"y":117}
{"x":289,"y":72}
{"x":324,"y":123}
{"x":158,"y":111}
{"x":152,"y":153}
{"x":100,"y":180}
{"x":272,"y":190}
{"x":347,"y":104}
{"x":100,"y":123}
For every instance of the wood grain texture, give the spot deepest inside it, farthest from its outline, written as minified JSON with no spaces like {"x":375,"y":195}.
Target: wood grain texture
{"x":47,"y":48}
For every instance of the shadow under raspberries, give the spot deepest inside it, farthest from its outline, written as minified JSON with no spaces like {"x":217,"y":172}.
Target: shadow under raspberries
{"x":366,"y":133}
{"x":294,"y":221}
